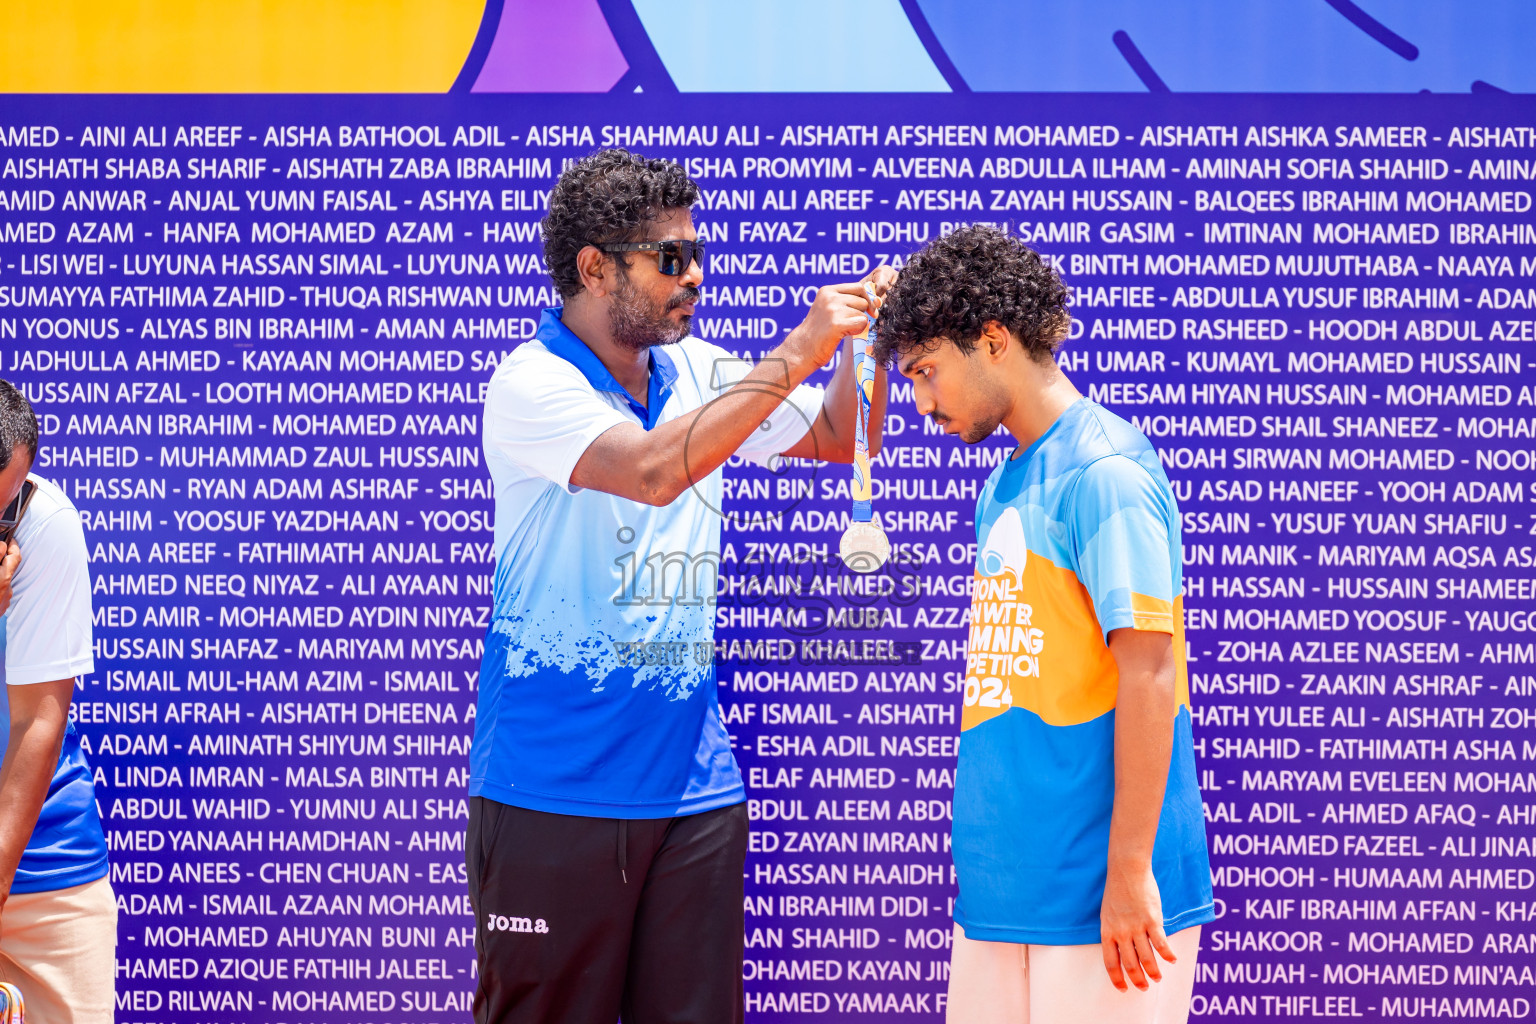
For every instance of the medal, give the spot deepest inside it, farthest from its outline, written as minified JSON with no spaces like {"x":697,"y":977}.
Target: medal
{"x":864,"y":547}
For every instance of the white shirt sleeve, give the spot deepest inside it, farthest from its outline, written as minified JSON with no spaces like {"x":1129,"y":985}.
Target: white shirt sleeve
{"x":784,"y":427}
{"x":48,"y":627}
{"x":542,"y":414}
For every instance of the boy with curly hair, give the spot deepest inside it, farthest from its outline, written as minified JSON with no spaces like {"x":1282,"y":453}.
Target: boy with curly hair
{"x":1079,"y":837}
{"x":608,"y":830}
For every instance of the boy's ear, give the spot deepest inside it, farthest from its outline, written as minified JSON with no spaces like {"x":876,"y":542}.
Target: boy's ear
{"x":996,"y":339}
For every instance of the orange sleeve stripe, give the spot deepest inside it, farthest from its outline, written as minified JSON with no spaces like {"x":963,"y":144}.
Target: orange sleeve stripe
{"x":1152,"y":613}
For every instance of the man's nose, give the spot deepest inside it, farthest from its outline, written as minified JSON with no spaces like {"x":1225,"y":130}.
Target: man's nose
{"x":925,"y":404}
{"x":693,"y":274}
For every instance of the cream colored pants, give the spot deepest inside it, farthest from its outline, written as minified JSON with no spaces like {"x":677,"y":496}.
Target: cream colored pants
{"x":60,"y":949}
{"x":1014,"y":983}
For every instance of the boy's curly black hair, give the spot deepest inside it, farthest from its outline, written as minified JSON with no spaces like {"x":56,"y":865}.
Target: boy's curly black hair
{"x":958,"y":282}
{"x":607,"y":197}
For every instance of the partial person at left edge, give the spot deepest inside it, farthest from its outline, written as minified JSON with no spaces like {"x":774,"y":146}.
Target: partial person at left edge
{"x":58,"y":916}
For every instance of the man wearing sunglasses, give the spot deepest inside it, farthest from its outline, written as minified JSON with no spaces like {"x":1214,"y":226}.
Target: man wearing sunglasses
{"x":608,"y":832}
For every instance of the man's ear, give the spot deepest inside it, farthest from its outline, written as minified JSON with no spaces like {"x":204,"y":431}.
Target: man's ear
{"x":596,"y":270}
{"x":995,"y":340}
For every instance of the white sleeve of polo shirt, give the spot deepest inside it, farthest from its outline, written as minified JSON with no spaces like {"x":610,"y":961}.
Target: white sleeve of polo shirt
{"x":543,"y":415}
{"x":48,"y":627}
{"x":784,"y":427}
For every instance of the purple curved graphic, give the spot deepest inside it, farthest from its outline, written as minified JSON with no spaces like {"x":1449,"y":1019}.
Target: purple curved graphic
{"x":647,"y":71}
{"x":540,"y":47}
{"x":490,"y":21}
{"x":1375,"y":29}
{"x":936,"y":53}
{"x":1138,"y":63}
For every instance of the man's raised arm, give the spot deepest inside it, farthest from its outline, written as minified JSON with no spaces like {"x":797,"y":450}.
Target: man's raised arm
{"x":656,"y":466}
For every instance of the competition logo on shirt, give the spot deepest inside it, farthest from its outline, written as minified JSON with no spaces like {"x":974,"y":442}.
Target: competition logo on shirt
{"x":1036,"y":643}
{"x":1005,"y":644}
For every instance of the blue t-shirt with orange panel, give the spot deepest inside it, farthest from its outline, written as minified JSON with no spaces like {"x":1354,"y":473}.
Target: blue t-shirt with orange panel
{"x":1076,"y":536}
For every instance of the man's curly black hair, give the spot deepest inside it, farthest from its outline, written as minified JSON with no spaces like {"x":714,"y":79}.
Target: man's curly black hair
{"x":958,"y":282}
{"x":608,"y":197}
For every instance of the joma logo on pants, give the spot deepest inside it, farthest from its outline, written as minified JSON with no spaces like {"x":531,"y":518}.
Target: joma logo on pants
{"x":498,"y":923}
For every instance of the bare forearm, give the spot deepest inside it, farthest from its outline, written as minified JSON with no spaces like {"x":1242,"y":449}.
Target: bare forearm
{"x":683,"y":451}
{"x":1144,"y":712}
{"x":30,"y":759}
{"x":657,"y":466}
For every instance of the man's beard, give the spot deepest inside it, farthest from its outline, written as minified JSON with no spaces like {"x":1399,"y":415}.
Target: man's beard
{"x":979,"y":432}
{"x":638,"y":323}
{"x":989,"y":398}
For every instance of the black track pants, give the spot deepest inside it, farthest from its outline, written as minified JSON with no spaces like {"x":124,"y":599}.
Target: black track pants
{"x":591,"y":920}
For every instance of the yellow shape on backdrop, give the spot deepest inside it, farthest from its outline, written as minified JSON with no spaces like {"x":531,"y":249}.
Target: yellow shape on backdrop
{"x":232,"y":46}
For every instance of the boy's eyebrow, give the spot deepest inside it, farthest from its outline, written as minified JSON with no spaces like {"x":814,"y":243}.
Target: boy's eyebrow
{"x":913,"y":361}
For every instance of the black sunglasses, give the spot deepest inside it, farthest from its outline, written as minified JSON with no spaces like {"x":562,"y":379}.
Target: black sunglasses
{"x":676,"y":253}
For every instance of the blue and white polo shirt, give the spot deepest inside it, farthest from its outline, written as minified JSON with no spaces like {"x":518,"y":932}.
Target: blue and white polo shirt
{"x":45,"y":636}
{"x":597,"y":689}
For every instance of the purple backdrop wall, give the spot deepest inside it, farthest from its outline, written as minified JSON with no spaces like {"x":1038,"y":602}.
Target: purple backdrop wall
{"x":259,"y":354}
